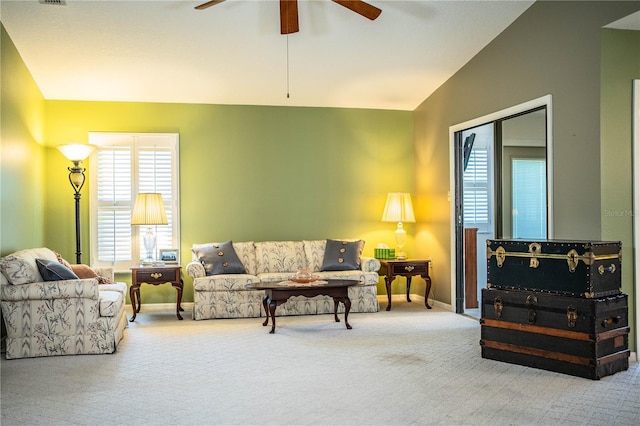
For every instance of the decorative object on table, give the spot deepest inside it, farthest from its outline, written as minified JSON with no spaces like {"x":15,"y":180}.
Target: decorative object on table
{"x":303,"y":275}
{"x":170,"y":256}
{"x":399,"y":209}
{"x":149,"y":210}
{"x":77,"y":153}
{"x":383,"y":252}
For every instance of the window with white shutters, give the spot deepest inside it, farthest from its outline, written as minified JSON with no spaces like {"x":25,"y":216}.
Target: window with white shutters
{"x":476,"y":189}
{"x":477,"y":181}
{"x":124,"y":165}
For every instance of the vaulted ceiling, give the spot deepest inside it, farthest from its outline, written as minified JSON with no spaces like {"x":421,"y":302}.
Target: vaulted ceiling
{"x":233,"y":52}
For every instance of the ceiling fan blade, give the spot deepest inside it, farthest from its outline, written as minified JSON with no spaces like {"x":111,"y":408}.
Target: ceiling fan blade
{"x":208,"y":4}
{"x":289,"y":16}
{"x":361,"y":8}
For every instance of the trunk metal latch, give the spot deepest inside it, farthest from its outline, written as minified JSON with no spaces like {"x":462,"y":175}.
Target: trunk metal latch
{"x":535,"y":249}
{"x":501,"y":255}
{"x":602,"y":269}
{"x":572,"y":260}
{"x":497,"y":306}
{"x":531,"y":302}
{"x":572,"y":316}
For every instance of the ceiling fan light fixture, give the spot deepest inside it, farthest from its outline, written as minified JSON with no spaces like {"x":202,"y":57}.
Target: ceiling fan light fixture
{"x":289,"y":11}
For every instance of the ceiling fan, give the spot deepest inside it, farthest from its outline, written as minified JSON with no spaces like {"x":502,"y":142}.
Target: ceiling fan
{"x":289,"y":12}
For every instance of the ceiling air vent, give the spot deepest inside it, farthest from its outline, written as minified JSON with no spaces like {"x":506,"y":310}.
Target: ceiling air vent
{"x":55,"y":2}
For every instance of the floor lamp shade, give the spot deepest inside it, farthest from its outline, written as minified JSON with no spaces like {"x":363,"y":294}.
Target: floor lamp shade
{"x":399,"y":208}
{"x":76,"y":151}
{"x":149,"y":210}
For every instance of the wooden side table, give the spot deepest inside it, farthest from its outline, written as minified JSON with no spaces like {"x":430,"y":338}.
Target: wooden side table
{"x":406,"y":268}
{"x":155,"y":275}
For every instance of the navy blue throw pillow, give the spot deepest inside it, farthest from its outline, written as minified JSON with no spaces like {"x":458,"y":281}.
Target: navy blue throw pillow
{"x":220,"y":258}
{"x":52,"y":270}
{"x":342,"y":255}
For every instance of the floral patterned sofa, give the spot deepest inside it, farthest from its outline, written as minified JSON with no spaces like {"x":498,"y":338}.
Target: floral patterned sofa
{"x":59,"y":316}
{"x":220,"y":289}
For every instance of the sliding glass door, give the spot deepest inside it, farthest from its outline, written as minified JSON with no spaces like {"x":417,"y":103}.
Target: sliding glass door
{"x":502,"y":169}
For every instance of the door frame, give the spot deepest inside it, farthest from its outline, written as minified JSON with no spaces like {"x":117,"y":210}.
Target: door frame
{"x":636,"y":205}
{"x":457,"y":261}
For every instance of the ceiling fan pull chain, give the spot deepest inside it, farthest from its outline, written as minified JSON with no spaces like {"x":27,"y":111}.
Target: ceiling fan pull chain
{"x":287,"y":66}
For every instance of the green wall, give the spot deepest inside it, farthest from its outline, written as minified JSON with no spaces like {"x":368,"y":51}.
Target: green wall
{"x":249,"y":173}
{"x":22,"y":162}
{"x":553,"y":48}
{"x":620,"y":65}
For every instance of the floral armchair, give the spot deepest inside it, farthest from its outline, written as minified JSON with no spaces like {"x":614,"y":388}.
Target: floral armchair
{"x":47,"y":315}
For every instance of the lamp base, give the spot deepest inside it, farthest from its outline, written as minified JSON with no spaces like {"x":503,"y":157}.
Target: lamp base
{"x":401,"y":239}
{"x":149,"y":239}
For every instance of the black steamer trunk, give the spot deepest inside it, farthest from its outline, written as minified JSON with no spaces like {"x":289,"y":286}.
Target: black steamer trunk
{"x":588,"y":269}
{"x":577,"y":336}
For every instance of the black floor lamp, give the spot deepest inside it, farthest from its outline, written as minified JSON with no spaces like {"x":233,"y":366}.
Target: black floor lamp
{"x":77,"y":153}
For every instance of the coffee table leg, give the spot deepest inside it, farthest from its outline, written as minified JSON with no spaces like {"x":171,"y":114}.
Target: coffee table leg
{"x":272,"y":309}
{"x":347,"y":308}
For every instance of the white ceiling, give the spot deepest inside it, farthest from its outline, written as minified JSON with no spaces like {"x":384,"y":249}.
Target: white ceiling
{"x":630,"y":22}
{"x":233,"y":53}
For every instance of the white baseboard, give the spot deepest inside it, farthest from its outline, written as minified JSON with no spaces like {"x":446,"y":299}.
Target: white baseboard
{"x":158,"y":307}
{"x":382,"y":299}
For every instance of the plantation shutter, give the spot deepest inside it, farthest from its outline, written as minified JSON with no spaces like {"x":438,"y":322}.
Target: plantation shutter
{"x":155,"y":175}
{"x":114,"y":204}
{"x":476,"y":190}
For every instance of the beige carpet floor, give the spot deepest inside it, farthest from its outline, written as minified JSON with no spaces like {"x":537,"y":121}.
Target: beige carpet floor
{"x":406,"y":366}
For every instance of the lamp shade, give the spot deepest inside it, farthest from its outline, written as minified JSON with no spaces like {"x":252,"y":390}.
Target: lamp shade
{"x":149,"y":210}
{"x":76,"y":151}
{"x":398,"y":208}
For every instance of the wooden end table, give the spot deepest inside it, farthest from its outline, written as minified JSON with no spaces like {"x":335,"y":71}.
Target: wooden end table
{"x":406,"y":268}
{"x":155,"y":275}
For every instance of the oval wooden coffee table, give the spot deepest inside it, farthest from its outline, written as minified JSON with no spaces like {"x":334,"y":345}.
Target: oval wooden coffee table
{"x":276,"y":293}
